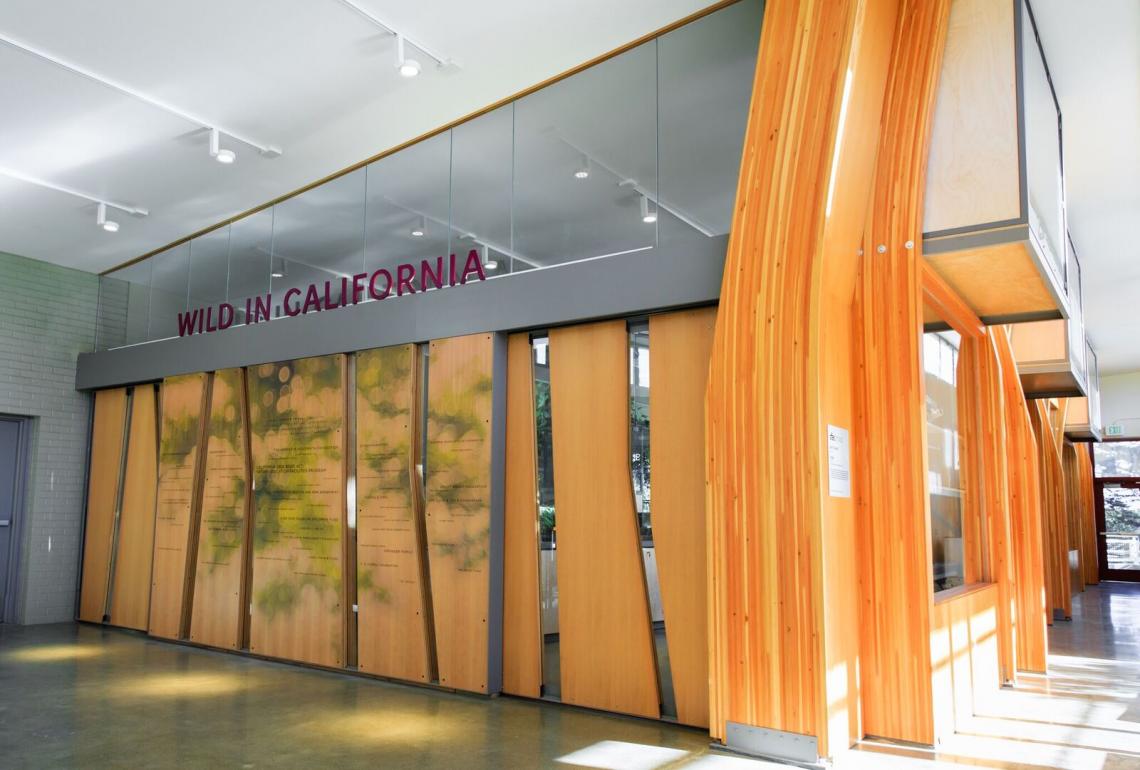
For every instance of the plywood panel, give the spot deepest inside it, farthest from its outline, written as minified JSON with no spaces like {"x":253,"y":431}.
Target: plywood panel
{"x":522,"y":630}
{"x":1040,"y":342}
{"x":459,"y":506}
{"x":298,"y":443}
{"x":679,"y":348}
{"x":964,"y":654}
{"x":392,"y":620}
{"x":102,"y":494}
{"x":1024,"y":515}
{"x":606,"y":649}
{"x":219,"y":612}
{"x":973,"y":175}
{"x":183,"y":406}
{"x":996,"y":281}
{"x":130,"y":600}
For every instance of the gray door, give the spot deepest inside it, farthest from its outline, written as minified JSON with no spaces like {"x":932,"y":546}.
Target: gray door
{"x":9,"y":468}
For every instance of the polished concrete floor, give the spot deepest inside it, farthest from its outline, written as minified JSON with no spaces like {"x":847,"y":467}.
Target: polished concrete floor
{"x":86,"y":697}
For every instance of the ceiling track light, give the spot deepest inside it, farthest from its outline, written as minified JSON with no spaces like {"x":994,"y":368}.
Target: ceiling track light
{"x":409,"y":68}
{"x":267,"y":150}
{"x":102,"y":205}
{"x":217,"y":152}
{"x":583,"y":170}
{"x":418,"y":230}
{"x":648,"y":215}
{"x":489,"y":262}
{"x":109,"y":225}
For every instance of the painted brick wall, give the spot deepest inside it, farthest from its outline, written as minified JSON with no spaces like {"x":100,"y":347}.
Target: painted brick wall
{"x":47,"y":317}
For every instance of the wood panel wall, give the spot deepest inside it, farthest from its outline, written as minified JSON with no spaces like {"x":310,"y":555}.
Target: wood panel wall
{"x":130,"y":597}
{"x":894,"y":515}
{"x":107,"y":433}
{"x":460,"y":380}
{"x":522,"y":627}
{"x":606,"y":648}
{"x":221,"y":602}
{"x":1024,"y":515}
{"x":184,"y":405}
{"x":298,"y":446}
{"x":1054,"y":513}
{"x":679,"y":348}
{"x":783,"y":568}
{"x":1089,"y":567}
{"x":964,"y":653}
{"x":392,"y":621}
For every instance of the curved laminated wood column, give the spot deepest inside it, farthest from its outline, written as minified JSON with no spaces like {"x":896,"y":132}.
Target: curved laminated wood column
{"x":894,"y":522}
{"x":1089,"y":568}
{"x":1055,"y":534}
{"x":783,"y":607}
{"x":522,"y":628}
{"x":130,"y":594}
{"x":1024,"y":515}
{"x":606,"y":648}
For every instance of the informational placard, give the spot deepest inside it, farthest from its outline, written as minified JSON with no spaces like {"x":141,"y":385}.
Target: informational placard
{"x":392,"y":631}
{"x":838,"y":462}
{"x":297,"y":439}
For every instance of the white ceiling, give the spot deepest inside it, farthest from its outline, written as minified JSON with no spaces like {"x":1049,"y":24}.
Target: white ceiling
{"x":1093,"y":48}
{"x":309,"y":76}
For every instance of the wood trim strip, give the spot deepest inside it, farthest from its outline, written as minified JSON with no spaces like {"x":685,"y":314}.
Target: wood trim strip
{"x":949,"y":305}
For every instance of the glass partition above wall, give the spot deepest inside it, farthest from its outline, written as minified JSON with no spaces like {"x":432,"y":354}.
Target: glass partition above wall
{"x":639,"y":150}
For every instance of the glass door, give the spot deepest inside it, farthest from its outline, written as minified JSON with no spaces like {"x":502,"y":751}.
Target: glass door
{"x":1118,"y":528}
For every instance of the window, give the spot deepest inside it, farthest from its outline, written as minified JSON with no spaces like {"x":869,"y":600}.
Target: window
{"x":1117,"y":459}
{"x":943,"y":450}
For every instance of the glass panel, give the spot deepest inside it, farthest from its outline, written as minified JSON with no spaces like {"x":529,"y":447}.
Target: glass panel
{"x":481,"y":178}
{"x":170,"y":278}
{"x":209,"y":268}
{"x":318,"y":239}
{"x":548,"y":538}
{"x":1076,"y":322}
{"x":1094,"y":387}
{"x":408,"y":211}
{"x":705,"y":68}
{"x":586,"y":162}
{"x":940,"y":365}
{"x":1117,"y":458}
{"x":124,"y":306}
{"x":1122,"y":527}
{"x":1042,"y":150}
{"x":250,"y":246}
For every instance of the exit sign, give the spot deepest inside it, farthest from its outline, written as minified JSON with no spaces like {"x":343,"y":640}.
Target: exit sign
{"x":1115,"y":430}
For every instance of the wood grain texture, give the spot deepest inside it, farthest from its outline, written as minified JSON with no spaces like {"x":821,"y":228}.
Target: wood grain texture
{"x":522,"y":628}
{"x":605,"y":638}
{"x":1089,"y":565}
{"x":1024,"y":515}
{"x":964,"y":655}
{"x":183,"y":410}
{"x":679,"y":348}
{"x":973,"y":176}
{"x":998,"y":280}
{"x":1054,"y":529}
{"x":130,"y":598}
{"x":944,"y":304}
{"x":1040,"y":342}
{"x":219,"y":614}
{"x":1077,"y":468}
{"x":894,"y":512}
{"x":783,"y":599}
{"x":107,"y":431}
{"x":298,"y":446}
{"x":392,"y":619}
{"x":459,"y":506}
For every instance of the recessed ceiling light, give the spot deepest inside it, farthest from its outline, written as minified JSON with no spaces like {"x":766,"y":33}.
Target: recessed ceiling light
{"x":648,"y":216}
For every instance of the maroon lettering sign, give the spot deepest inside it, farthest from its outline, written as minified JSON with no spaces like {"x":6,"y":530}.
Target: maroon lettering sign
{"x":316,"y":298}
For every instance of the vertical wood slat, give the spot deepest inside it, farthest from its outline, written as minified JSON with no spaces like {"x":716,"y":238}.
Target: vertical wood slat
{"x":606,"y":648}
{"x":1024,"y":515}
{"x":107,"y":434}
{"x":460,"y":380}
{"x":1054,"y":529}
{"x":522,"y":628}
{"x":894,"y":513}
{"x":392,"y":619}
{"x":298,"y":449}
{"x":183,"y":406}
{"x":1088,"y":517}
{"x":130,"y":600}
{"x":218,"y":611}
{"x":679,"y":347}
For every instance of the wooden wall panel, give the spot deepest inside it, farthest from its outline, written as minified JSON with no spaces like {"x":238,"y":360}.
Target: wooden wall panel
{"x":298,"y":447}
{"x":1024,"y":515}
{"x":102,"y":494}
{"x":1055,"y":535}
{"x":606,"y":649}
{"x":522,"y":628}
{"x":392,"y":619}
{"x":179,"y":486}
{"x":221,"y":605}
{"x":964,"y":654}
{"x":130,"y":599}
{"x":998,"y":280}
{"x":459,"y":506}
{"x":1089,"y":566}
{"x":894,"y":513}
{"x":679,"y":348}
